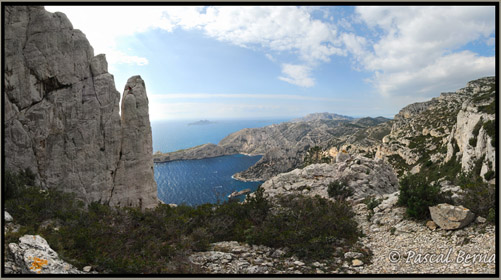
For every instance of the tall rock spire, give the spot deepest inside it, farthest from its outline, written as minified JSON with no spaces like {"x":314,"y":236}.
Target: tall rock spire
{"x":134,"y":183}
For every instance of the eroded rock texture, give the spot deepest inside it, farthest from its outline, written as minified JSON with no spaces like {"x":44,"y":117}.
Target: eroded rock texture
{"x":62,"y":118}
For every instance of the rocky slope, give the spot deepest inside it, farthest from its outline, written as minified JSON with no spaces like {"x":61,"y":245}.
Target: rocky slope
{"x":399,"y":245}
{"x":454,"y":126}
{"x":365,"y":177}
{"x":62,"y":117}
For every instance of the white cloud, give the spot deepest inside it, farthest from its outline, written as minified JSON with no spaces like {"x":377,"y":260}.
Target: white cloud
{"x":299,"y":75}
{"x":290,"y":29}
{"x":419,"y":46}
{"x":447,"y":73}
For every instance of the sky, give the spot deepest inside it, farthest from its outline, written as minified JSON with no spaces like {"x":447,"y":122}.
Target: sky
{"x":265,"y":62}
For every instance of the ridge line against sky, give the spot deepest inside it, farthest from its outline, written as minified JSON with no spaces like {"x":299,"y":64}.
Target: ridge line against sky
{"x":287,"y":61}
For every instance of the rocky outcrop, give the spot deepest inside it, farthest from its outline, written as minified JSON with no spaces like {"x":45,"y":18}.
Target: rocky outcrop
{"x":471,"y":133}
{"x":7,"y":217}
{"x":33,"y":255}
{"x":456,"y":126}
{"x":62,"y":117}
{"x":449,"y":216}
{"x":366,"y":177}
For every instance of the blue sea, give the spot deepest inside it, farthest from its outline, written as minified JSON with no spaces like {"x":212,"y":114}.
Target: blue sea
{"x":194,"y":182}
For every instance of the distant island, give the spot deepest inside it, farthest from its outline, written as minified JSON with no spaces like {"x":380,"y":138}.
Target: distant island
{"x":202,"y":122}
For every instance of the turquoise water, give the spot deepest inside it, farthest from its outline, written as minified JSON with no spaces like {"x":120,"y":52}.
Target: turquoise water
{"x":194,"y":182}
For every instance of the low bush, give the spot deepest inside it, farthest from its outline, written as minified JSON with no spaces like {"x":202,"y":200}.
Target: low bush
{"x":417,"y":194}
{"x":479,"y":197}
{"x":489,"y":175}
{"x":15,"y":183}
{"x":311,"y":227}
{"x":339,"y":190}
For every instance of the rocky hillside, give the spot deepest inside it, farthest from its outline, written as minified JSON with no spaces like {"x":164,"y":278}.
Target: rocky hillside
{"x":458,"y":126}
{"x":62,"y":117}
{"x":365,"y":177}
{"x":284,"y":146}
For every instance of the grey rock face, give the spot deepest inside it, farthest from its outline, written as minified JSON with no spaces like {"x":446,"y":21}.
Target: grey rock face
{"x":366,"y":177}
{"x":33,"y":255}
{"x":134,"y":182}
{"x":444,"y":129}
{"x":449,"y":216}
{"x":62,"y":117}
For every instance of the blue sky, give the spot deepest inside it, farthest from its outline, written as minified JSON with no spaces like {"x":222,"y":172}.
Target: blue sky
{"x":257,"y":62}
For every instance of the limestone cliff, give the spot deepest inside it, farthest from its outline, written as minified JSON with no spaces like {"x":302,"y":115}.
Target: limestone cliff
{"x":62,"y":117}
{"x":458,"y":126}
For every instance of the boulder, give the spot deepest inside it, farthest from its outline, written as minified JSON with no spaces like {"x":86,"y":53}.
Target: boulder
{"x":34,"y":256}
{"x":7,"y":217}
{"x":449,"y":216}
{"x":480,"y":220}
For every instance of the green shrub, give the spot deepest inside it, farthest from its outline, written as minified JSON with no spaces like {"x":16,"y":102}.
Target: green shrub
{"x":339,"y":190}
{"x":477,"y":127}
{"x":490,"y":129}
{"x":489,"y":175}
{"x":489,"y":109}
{"x":16,"y":183}
{"x":417,"y":194}
{"x":311,"y":227}
{"x":159,"y":240}
{"x":479,"y":197}
{"x":491,"y":216}
{"x":473,"y":141}
{"x":371,"y":202}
